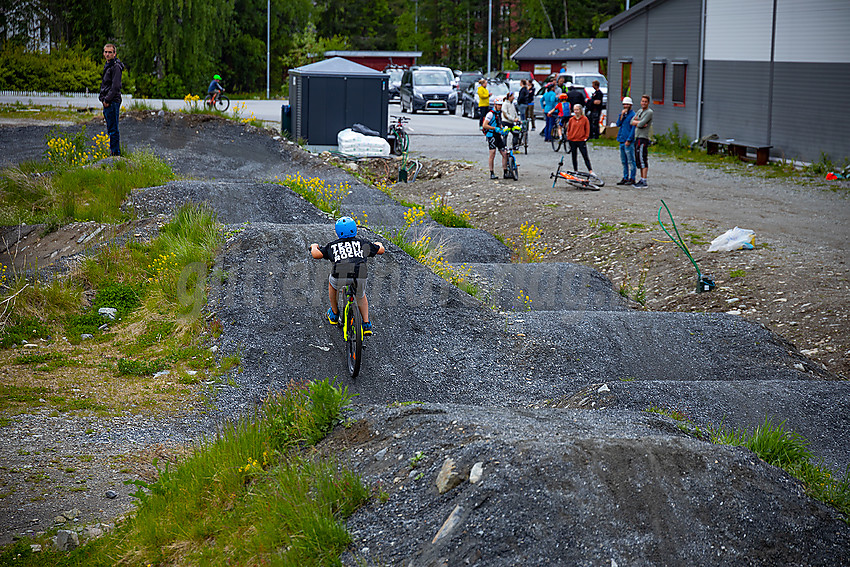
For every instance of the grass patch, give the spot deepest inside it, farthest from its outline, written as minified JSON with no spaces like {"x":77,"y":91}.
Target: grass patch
{"x":444,"y":214}
{"x":739,"y":273}
{"x":19,"y":110}
{"x":158,"y":290}
{"x":249,"y":495}
{"x":781,"y":447}
{"x":72,"y":184}
{"x":140,"y":367}
{"x":324,"y":196}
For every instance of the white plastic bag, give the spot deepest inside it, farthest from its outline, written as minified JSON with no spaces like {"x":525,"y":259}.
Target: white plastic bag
{"x":734,"y":239}
{"x":352,"y":143}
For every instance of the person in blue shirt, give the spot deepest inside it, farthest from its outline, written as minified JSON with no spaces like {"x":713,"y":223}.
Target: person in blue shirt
{"x":626,"y":137}
{"x":215,"y":88}
{"x":548,"y":102}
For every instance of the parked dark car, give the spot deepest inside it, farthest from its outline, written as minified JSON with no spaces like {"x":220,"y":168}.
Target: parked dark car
{"x":395,"y":74}
{"x":428,"y":88}
{"x":464,"y":80}
{"x":470,"y":96}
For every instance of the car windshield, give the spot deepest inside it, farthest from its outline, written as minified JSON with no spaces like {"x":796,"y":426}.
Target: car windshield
{"x":431,"y":78}
{"x":395,"y":75}
{"x":587,"y":81}
{"x":497,"y":89}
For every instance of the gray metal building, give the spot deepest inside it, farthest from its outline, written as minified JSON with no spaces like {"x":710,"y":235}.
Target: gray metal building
{"x":767,"y":72}
{"x":331,"y":95}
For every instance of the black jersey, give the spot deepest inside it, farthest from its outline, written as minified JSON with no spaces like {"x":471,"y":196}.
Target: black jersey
{"x":349,"y":256}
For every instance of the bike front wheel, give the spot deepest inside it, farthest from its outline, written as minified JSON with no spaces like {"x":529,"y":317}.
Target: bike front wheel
{"x":222,"y":103}
{"x":512,"y":167}
{"x":354,"y":336}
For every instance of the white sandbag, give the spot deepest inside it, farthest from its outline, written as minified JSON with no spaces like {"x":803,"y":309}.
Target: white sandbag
{"x":352,"y":143}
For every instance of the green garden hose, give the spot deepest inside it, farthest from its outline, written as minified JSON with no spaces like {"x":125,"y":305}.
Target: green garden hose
{"x":704,"y":283}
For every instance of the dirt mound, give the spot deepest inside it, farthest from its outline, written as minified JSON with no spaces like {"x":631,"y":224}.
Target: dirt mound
{"x":558,"y":485}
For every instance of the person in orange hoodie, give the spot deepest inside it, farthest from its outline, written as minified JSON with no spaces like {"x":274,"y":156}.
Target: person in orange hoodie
{"x":578,"y":130}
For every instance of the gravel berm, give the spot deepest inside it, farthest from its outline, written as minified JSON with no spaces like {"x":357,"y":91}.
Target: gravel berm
{"x":549,"y":402}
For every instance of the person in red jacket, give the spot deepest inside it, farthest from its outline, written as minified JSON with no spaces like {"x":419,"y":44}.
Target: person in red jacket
{"x":578,"y":130}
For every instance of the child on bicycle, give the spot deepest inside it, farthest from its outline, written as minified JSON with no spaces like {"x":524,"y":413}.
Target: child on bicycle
{"x":562,"y":112}
{"x":348,"y":254}
{"x":215,"y":88}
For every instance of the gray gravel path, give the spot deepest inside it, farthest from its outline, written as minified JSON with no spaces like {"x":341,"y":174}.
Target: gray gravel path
{"x":566,"y":486}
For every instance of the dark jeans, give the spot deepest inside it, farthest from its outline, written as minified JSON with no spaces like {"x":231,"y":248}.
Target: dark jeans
{"x":111,"y":113}
{"x":581,"y":147}
{"x":594,"y":124}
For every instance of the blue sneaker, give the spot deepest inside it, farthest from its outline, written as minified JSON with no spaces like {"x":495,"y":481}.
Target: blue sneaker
{"x":333,"y":318}
{"x":367,"y":328}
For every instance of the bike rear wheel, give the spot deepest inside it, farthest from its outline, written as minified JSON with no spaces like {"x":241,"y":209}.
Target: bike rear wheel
{"x":524,"y":139}
{"x":402,"y":141}
{"x":512,"y":167}
{"x":353,"y":334}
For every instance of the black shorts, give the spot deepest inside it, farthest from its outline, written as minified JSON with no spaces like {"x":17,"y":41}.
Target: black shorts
{"x":641,"y":153}
{"x":496,"y":142}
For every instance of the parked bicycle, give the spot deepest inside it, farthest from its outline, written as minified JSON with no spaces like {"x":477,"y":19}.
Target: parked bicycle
{"x":220,"y":103}
{"x":513,"y":170}
{"x":577,"y":179}
{"x":522,"y":140}
{"x":560,"y":139}
{"x":399,"y":134}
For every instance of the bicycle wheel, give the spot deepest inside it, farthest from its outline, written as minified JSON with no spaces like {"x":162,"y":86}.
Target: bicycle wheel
{"x":222,"y":103}
{"x":524,"y":140}
{"x":556,"y":143}
{"x":353,"y":335}
{"x":208,"y":101}
{"x":404,"y":139}
{"x":512,"y":167}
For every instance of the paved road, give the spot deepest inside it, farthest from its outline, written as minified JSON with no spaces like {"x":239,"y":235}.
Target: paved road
{"x":266,"y":110}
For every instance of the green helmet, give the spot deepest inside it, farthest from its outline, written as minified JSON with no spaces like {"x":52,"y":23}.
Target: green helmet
{"x":217,"y":77}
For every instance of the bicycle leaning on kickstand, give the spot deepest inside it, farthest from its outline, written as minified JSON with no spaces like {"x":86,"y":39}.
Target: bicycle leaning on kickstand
{"x":577,"y":179}
{"x":400,"y":139}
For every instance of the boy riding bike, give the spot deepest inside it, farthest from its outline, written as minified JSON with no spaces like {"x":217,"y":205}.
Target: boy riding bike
{"x":562,"y":111}
{"x":214,"y":89}
{"x":348,"y":254}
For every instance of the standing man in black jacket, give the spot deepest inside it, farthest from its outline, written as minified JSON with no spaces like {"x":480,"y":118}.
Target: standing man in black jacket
{"x":110,"y":96}
{"x":594,"y":108}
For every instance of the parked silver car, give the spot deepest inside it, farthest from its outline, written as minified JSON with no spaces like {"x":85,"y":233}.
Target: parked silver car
{"x":470,"y":96}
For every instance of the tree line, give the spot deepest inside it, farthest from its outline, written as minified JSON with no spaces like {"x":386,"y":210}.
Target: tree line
{"x":173,"y":47}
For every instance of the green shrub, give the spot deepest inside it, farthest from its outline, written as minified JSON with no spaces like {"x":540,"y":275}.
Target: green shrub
{"x":122,"y":297}
{"x":18,"y":330}
{"x":64,"y":69}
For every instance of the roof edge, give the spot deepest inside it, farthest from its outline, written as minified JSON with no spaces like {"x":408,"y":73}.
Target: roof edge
{"x":623,"y":17}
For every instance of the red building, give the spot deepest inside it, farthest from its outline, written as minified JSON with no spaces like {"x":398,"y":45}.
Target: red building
{"x":542,"y":57}
{"x":378,"y":60}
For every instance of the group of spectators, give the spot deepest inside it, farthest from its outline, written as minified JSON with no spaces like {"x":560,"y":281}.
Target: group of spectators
{"x":633,"y":136}
{"x":564,"y":107}
{"x":567,"y":109}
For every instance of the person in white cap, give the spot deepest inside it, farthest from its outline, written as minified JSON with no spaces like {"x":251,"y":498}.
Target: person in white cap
{"x":626,"y":137}
{"x":492,"y":128}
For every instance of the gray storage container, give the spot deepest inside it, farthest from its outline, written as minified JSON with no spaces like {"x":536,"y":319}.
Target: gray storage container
{"x":331,"y":95}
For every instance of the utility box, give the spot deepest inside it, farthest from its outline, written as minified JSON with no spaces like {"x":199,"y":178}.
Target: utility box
{"x":331,"y":95}
{"x":285,"y":120}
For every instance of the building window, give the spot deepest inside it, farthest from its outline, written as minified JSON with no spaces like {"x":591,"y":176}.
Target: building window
{"x":658,"y":76}
{"x":626,"y":85}
{"x":680,"y":79}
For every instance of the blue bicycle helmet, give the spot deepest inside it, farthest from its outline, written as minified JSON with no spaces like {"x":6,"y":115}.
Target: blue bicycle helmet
{"x":346,"y":227}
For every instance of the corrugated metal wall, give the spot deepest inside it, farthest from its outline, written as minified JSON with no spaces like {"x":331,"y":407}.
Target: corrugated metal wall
{"x":782,"y":82}
{"x":797,"y":111}
{"x":668,"y":32}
